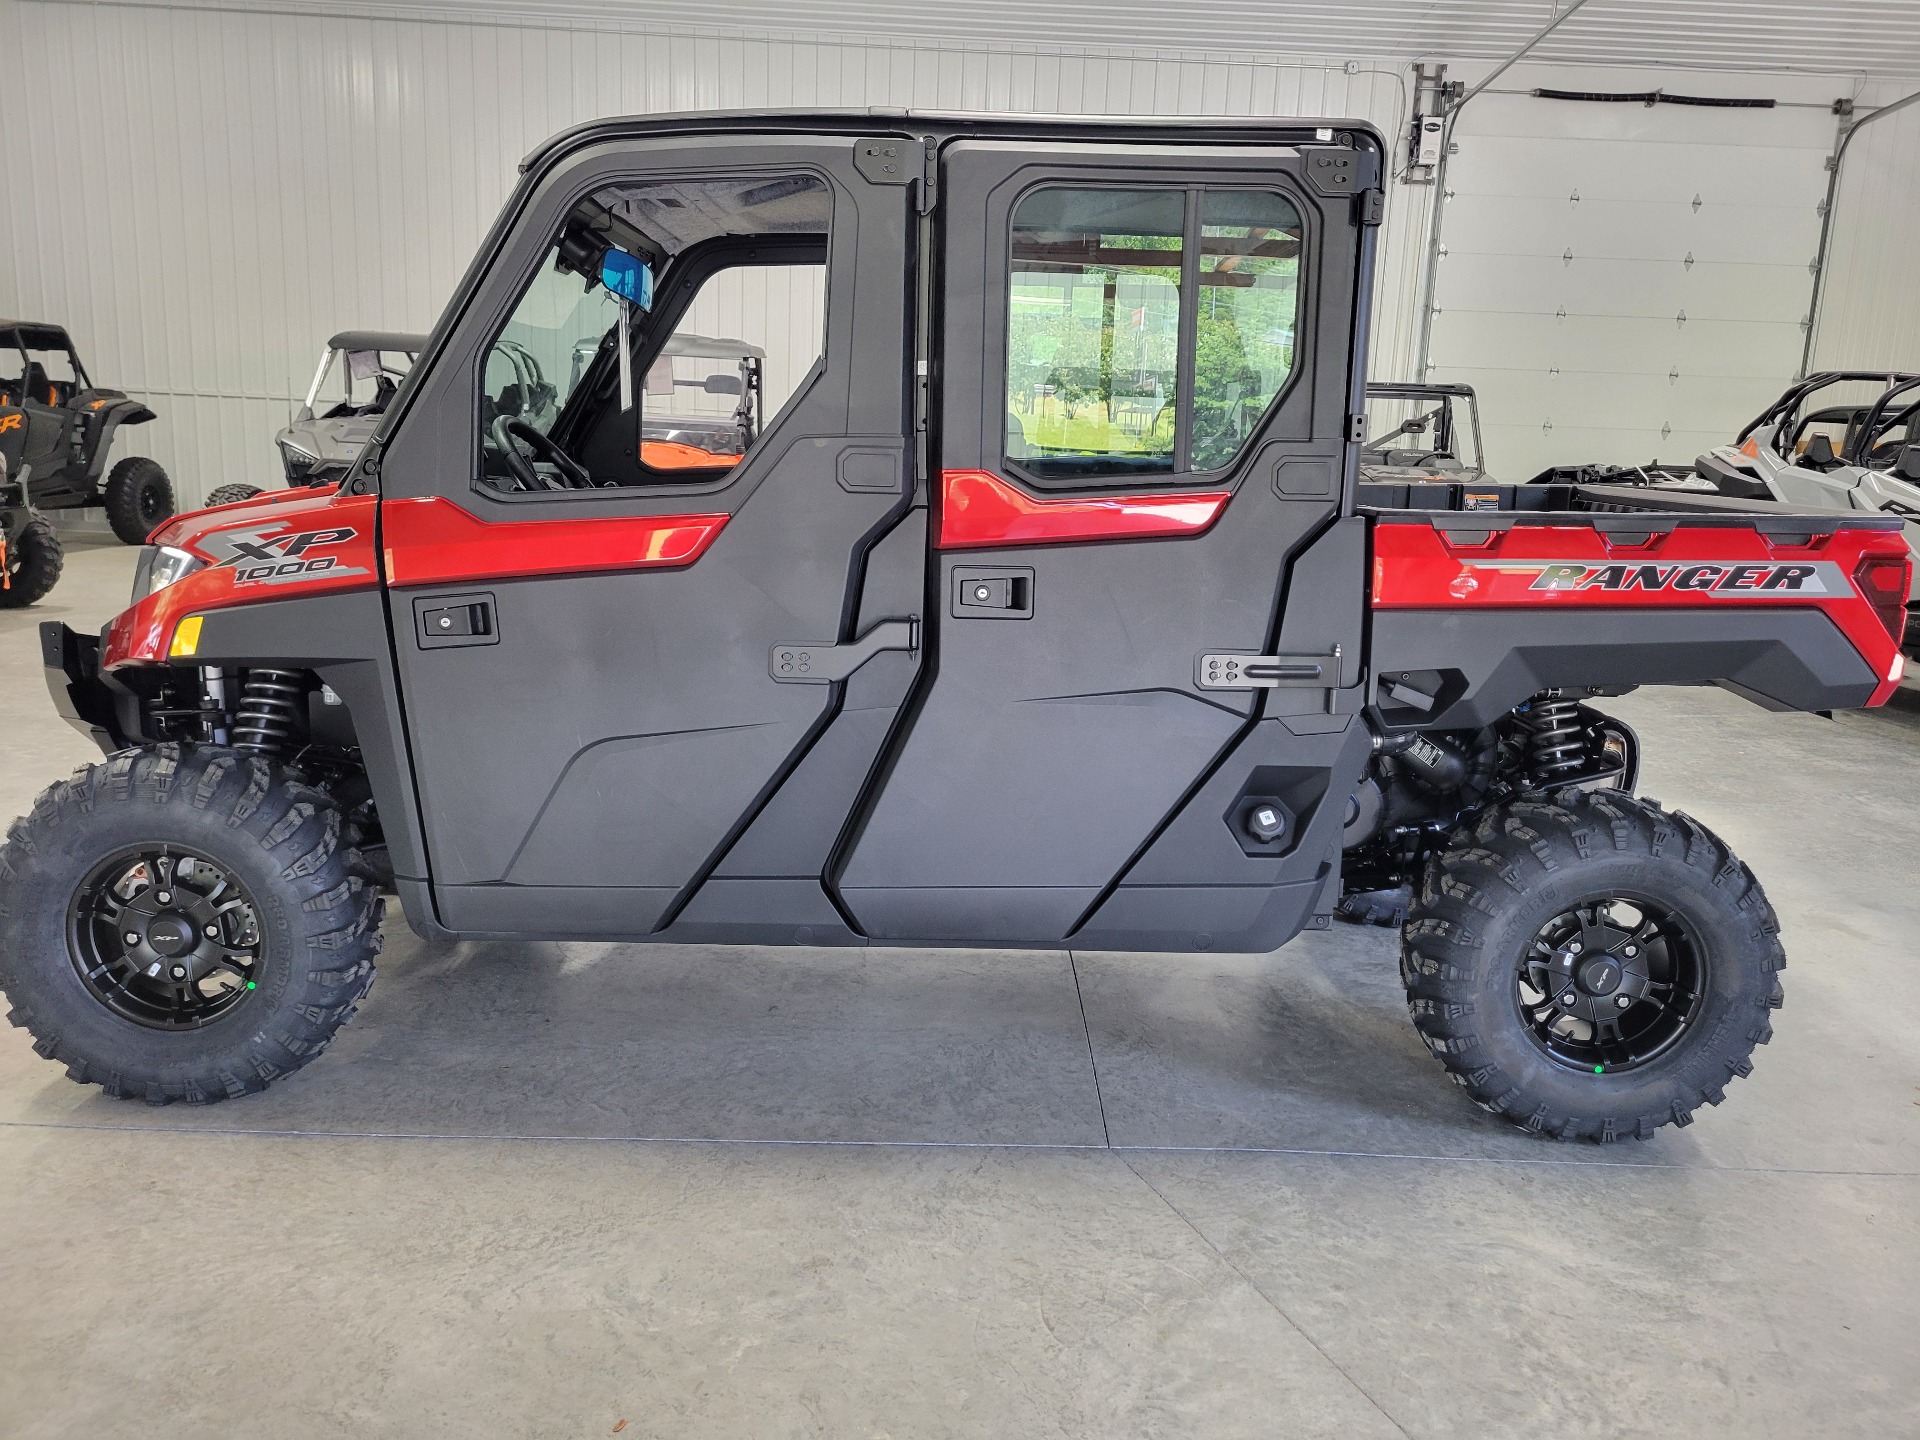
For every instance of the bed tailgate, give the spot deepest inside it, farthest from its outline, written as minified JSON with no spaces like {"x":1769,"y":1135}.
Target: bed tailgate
{"x":1473,"y":611}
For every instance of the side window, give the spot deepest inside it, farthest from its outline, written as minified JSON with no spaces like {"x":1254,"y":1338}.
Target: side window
{"x":1134,"y":350}
{"x":1249,"y":298}
{"x":721,"y":308}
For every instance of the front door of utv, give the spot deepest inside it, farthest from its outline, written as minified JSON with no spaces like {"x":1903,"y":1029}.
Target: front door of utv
{"x":1143,"y":384}
{"x":593,"y":577}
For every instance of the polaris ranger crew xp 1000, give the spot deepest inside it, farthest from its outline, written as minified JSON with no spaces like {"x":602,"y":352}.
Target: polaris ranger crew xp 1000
{"x":1044,"y":609}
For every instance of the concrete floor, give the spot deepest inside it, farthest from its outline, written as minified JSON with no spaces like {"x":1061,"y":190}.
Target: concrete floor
{"x":538,"y":1190}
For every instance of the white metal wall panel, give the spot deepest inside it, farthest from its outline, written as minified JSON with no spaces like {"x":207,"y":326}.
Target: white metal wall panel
{"x":214,"y":192}
{"x":1869,"y":37}
{"x":1870,"y":314}
{"x":1623,"y":282}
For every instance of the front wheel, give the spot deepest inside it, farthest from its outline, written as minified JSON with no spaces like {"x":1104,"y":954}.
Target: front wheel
{"x":183,"y":924}
{"x":138,"y":497}
{"x":230,"y":495}
{"x":1593,"y":967}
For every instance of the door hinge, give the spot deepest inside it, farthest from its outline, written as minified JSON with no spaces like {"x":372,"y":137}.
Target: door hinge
{"x":798,"y":662}
{"x":1357,"y":429}
{"x":1268,"y":672}
{"x":1372,"y":205}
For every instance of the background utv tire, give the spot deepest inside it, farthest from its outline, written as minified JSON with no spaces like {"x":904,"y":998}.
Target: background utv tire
{"x":34,"y":561}
{"x":1479,"y":916}
{"x":279,"y":841}
{"x":231,"y":495}
{"x":138,"y":497}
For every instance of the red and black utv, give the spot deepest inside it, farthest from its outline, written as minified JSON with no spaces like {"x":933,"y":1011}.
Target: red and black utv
{"x":64,"y":425}
{"x":1045,"y":609}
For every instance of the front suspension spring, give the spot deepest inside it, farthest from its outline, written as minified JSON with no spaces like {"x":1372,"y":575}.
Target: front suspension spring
{"x":269,"y":711}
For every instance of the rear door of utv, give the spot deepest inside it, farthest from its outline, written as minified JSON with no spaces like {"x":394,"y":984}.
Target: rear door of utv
{"x":1142,"y":385}
{"x":590,"y":659}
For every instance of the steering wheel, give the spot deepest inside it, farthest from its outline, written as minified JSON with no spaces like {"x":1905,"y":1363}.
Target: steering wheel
{"x":506,"y":429}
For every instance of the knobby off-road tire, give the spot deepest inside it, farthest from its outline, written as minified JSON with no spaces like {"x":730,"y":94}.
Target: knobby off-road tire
{"x":271,"y":841}
{"x":138,"y":497}
{"x":1502,"y":895}
{"x":34,"y":562}
{"x":231,"y":495}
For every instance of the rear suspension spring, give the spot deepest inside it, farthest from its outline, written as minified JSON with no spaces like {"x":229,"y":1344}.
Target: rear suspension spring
{"x":1556,"y":740}
{"x":268,"y":712}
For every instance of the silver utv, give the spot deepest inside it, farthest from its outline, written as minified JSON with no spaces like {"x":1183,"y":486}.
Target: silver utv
{"x":365,"y":368}
{"x":1423,"y":432}
{"x":1859,"y":451}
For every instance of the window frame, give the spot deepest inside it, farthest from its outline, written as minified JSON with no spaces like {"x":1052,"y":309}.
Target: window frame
{"x":1187,"y":357}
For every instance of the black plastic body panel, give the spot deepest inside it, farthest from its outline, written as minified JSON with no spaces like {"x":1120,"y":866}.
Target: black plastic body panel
{"x":1785,"y":659}
{"x":625,"y":720}
{"x":80,"y":695}
{"x":343,"y":639}
{"x":1041,"y":759}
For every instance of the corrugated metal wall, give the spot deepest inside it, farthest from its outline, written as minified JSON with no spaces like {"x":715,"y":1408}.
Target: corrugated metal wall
{"x":1870,"y":315}
{"x":203,"y":195}
{"x":213,"y":192}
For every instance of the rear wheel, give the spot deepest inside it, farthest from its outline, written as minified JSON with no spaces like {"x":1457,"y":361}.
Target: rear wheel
{"x":183,"y":924}
{"x":34,"y":560}
{"x":138,"y":497}
{"x":1592,"y":968}
{"x":231,"y":495}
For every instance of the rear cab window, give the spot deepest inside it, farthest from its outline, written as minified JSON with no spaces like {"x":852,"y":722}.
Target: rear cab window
{"x":1150,"y":329}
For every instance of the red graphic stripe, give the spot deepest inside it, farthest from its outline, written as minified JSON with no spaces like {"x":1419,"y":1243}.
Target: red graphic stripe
{"x":979,"y":508}
{"x":433,"y":541}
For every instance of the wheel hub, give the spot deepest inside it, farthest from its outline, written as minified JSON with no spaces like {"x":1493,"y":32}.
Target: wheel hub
{"x":171,"y":934}
{"x":1600,"y":975}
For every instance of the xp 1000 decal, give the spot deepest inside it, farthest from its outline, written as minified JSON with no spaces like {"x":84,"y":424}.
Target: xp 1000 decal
{"x":280,"y":554}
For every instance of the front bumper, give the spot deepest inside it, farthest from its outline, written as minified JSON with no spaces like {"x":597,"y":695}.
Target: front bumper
{"x":83,"y":697}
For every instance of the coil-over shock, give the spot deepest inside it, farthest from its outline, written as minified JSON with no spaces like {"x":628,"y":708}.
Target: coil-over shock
{"x":1556,"y":737}
{"x":269,"y":710}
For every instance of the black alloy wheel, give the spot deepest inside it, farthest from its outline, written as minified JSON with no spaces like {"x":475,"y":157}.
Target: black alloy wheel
{"x":1611,"y":984}
{"x":164,"y":937}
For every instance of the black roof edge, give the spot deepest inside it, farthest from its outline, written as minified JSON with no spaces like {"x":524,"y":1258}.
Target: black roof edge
{"x":947,"y":124}
{"x":42,"y":327}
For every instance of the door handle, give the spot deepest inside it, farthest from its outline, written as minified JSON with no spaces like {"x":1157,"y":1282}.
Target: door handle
{"x":798,"y":663}
{"x":441,"y":622}
{"x":992,"y":593}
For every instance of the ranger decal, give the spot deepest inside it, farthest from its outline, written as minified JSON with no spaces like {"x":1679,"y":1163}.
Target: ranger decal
{"x":1732,"y":580}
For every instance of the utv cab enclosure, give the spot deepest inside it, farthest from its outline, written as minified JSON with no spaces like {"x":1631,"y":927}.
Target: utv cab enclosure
{"x":1043,"y":609}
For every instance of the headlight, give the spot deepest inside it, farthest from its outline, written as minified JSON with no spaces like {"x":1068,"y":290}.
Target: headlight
{"x":297,"y":462}
{"x":159,"y":566}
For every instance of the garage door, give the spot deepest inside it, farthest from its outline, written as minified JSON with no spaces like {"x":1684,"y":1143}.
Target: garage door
{"x":1623,"y":283}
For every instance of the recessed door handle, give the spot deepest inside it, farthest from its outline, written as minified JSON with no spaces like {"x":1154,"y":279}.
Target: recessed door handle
{"x":441,"y":622}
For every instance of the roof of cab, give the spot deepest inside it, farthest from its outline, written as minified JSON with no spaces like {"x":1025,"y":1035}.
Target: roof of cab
{"x":945,"y":124}
{"x":36,"y":333}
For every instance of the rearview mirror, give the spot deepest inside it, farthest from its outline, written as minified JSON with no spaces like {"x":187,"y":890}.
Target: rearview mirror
{"x":724,"y":385}
{"x":628,"y":277}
